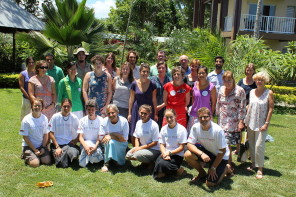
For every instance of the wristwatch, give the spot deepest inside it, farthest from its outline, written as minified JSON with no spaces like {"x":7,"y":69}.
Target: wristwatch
{"x":213,"y":168}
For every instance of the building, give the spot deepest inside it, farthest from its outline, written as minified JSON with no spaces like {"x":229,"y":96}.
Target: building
{"x":237,"y":17}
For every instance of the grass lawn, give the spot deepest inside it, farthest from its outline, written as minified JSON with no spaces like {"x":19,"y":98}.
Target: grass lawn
{"x":16,"y":179}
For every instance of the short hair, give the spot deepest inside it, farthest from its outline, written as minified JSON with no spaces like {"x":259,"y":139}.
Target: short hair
{"x":161,"y":51}
{"x":178,"y":69}
{"x":91,"y":103}
{"x":49,"y":54}
{"x":261,"y":75}
{"x":202,"y":67}
{"x":146,"y":107}
{"x":134,"y":52}
{"x":38,"y":64}
{"x":228,"y":73}
{"x":144,"y":65}
{"x":204,"y":110}
{"x":252,"y":66}
{"x":68,"y":64}
{"x":66,"y":100}
{"x":130,"y":75}
{"x":112,"y":106}
{"x":184,"y":57}
{"x":28,"y":59}
{"x":97,"y":58}
{"x":170,"y":110}
{"x":114,"y":60}
{"x":219,"y":57}
{"x":162,"y":63}
{"x":37,"y":99}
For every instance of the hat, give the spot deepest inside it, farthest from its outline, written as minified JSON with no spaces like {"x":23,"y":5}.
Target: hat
{"x":79,"y":50}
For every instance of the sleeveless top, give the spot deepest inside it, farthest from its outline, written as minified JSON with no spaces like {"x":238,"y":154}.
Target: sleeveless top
{"x":202,"y":98}
{"x":257,"y":111}
{"x":26,"y":80}
{"x":121,"y":93}
{"x":98,"y":89}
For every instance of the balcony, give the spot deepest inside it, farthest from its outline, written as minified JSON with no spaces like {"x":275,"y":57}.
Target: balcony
{"x":269,"y":24}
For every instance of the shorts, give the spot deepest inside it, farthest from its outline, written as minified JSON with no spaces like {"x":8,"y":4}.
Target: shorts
{"x":232,"y":138}
{"x":219,"y":169}
{"x":29,"y":155}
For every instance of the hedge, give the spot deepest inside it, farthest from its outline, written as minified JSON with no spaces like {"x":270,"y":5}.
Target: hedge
{"x":282,"y":89}
{"x":9,"y":80}
{"x":289,"y":99}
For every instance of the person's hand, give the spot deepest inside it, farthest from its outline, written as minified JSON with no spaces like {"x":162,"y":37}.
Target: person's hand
{"x":135,"y":149}
{"x":205,"y":157}
{"x":166,"y":155}
{"x":58,"y":152}
{"x":129,"y":118}
{"x":212,"y":174}
{"x":106,"y":139}
{"x":263,"y":128}
{"x":87,"y":149}
{"x":155,"y":117}
{"x":37,"y":152}
{"x":92,"y":150}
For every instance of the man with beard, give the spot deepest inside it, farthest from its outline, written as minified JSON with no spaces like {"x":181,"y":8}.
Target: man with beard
{"x":213,"y":150}
{"x":132,"y":58}
{"x":215,"y":77}
{"x":82,"y":66}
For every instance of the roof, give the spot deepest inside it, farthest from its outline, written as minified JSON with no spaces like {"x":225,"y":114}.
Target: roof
{"x":13,"y":18}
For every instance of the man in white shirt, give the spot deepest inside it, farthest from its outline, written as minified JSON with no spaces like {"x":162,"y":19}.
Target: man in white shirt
{"x":213,"y":150}
{"x":215,"y":77}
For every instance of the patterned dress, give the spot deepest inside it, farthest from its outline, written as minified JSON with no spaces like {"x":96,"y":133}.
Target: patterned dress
{"x":43,"y":91}
{"x":98,"y":90}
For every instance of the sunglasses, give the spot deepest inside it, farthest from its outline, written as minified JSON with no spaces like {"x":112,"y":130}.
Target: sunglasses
{"x":43,"y":67}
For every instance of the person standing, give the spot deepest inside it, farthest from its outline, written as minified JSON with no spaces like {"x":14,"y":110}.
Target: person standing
{"x":132,"y":58}
{"x":54,"y":71}
{"x":161,"y":57}
{"x":24,"y":78}
{"x":63,"y":135}
{"x":184,"y":61}
{"x":110,"y":65}
{"x":215,"y":77}
{"x":83,"y":66}
{"x":213,"y":150}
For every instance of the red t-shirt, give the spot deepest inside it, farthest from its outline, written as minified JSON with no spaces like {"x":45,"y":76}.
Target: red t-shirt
{"x":176,"y":94}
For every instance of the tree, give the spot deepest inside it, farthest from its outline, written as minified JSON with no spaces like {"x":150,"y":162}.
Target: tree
{"x":32,"y":6}
{"x":70,"y":23}
{"x":258,"y":19}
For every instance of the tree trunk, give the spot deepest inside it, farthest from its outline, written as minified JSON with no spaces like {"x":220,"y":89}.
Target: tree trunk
{"x":258,"y":19}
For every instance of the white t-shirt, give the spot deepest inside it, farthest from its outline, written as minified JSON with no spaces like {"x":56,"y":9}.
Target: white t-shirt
{"x":216,"y":79}
{"x":172,"y":138}
{"x":212,"y":140}
{"x":90,"y":129}
{"x":147,"y":132}
{"x":120,"y":127}
{"x":34,"y":128}
{"x":64,"y":128}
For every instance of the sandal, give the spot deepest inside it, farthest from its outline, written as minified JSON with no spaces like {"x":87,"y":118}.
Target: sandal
{"x":44,"y":184}
{"x":259,"y":175}
{"x":104,"y":169}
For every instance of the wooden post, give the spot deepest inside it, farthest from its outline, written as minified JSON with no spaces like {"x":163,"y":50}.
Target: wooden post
{"x":224,"y":13}
{"x":13,"y":51}
{"x":236,"y":18}
{"x":214,"y":13}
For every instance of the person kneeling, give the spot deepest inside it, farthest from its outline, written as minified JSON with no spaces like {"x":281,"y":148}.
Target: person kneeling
{"x":89,"y":130}
{"x":63,"y":134}
{"x":146,"y":148}
{"x":214,"y":150}
{"x":35,"y":136}
{"x":114,"y":135}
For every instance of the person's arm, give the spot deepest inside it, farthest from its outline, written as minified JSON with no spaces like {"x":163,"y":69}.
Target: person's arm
{"x":85,"y":86}
{"x":154,"y":101}
{"x":242,"y":110}
{"x":61,"y":92}
{"x":53,"y":93}
{"x":114,"y":84}
{"x":94,"y":148}
{"x":31,"y":90}
{"x":144,"y":146}
{"x":83,"y":143}
{"x":270,"y":110}
{"x":22,"y":86}
{"x":212,"y":171}
{"x":179,"y":149}
{"x":109,"y":93}
{"x":165,"y":98}
{"x":187,"y":99}
{"x":213,"y":100}
{"x":130,"y":104}
{"x":164,"y":153}
{"x":117,"y":137}
{"x":30,"y":144}
{"x":58,"y":152}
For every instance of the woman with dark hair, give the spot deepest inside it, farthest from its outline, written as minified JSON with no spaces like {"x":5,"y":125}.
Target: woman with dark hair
{"x":203,"y":95}
{"x":110,"y":65}
{"x":43,"y":86}
{"x":172,"y":140}
{"x":192,"y":77}
{"x":24,"y":78}
{"x":97,"y":85}
{"x":159,"y":80}
{"x":121,"y":87}
{"x":143,"y":91}
{"x":70,"y":87}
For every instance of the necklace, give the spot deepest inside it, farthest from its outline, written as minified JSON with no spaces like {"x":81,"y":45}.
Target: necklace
{"x":67,"y":118}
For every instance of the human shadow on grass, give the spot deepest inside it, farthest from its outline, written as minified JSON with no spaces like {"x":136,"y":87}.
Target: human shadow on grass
{"x":242,"y":170}
{"x":284,"y":110}
{"x":114,"y":168}
{"x":225,"y":185}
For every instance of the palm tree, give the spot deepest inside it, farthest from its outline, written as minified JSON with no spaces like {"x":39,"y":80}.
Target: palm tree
{"x":258,"y":19}
{"x":70,"y":23}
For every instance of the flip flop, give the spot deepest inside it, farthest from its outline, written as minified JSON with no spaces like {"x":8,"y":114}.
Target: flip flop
{"x":44,"y":184}
{"x":104,"y":169}
{"x":259,"y":175}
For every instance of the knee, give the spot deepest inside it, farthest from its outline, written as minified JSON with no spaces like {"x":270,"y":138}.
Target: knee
{"x":188,"y":156}
{"x":34,"y":163}
{"x":46,"y":160}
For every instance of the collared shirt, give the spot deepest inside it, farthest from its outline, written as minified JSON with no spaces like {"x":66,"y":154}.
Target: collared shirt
{"x":81,"y":72}
{"x":58,"y":74}
{"x":216,"y":79}
{"x":188,"y":71}
{"x":154,"y":71}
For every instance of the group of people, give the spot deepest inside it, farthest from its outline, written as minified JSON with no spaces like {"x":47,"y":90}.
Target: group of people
{"x":160,"y":111}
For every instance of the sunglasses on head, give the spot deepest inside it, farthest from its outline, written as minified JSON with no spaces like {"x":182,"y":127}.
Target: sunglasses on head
{"x":43,"y":67}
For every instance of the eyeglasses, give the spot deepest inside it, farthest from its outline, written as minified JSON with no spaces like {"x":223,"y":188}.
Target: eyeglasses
{"x":204,"y":117}
{"x":43,"y":67}
{"x":144,"y":113}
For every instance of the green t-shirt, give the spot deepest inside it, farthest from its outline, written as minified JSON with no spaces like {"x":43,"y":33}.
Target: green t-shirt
{"x":71,"y":90}
{"x":58,"y":74}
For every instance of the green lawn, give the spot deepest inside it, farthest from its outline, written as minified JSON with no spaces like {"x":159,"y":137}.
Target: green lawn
{"x":16,"y":179}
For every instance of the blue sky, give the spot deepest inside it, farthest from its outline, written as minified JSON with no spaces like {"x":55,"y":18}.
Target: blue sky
{"x":101,"y":7}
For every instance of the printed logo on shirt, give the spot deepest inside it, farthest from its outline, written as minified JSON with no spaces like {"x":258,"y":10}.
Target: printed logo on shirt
{"x":181,"y":91}
{"x":21,"y":130}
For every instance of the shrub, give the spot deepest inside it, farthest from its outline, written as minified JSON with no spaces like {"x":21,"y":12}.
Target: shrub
{"x":9,"y":80}
{"x":289,"y":99}
{"x":282,"y":90}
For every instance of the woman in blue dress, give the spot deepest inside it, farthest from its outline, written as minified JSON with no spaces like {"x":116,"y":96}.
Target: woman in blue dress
{"x":97,"y":85}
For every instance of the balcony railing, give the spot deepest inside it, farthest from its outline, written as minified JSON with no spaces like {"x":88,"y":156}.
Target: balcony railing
{"x":269,"y":24}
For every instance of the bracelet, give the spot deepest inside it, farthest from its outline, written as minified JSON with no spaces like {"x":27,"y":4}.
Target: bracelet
{"x":170,"y":153}
{"x":213,"y":168}
{"x":201,"y":154}
{"x":58,"y":146}
{"x":266,"y":122}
